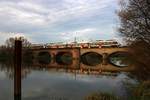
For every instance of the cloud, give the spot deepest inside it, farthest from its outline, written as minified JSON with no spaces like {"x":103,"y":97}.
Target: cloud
{"x":20,"y":13}
{"x":40,"y":19}
{"x":31,"y":13}
{"x":78,"y":34}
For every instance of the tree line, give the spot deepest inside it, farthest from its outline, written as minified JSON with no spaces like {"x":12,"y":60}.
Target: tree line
{"x":7,"y":50}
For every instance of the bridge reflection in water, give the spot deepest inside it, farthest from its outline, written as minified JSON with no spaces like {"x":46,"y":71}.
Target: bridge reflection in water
{"x":91,"y":59}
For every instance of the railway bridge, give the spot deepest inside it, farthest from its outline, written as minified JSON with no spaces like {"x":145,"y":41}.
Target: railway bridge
{"x":101,"y":59}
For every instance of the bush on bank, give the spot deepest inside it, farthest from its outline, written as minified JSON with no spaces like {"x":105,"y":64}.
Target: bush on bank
{"x":140,"y":91}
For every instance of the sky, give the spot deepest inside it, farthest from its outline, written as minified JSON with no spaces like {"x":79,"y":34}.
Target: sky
{"x":46,"y":21}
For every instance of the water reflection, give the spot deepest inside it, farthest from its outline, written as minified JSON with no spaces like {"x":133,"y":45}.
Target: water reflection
{"x":44,"y":57}
{"x":91,"y":58}
{"x":44,"y":83}
{"x":119,"y":59}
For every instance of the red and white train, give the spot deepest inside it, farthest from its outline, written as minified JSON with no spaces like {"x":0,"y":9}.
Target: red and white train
{"x":96,"y":44}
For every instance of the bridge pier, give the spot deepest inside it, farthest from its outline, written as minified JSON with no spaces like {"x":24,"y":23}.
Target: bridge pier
{"x":105,"y":60}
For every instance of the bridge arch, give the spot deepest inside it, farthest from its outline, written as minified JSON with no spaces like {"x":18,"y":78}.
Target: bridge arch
{"x":64,"y":58}
{"x":91,"y":58}
{"x":44,"y":57}
{"x":119,"y":59}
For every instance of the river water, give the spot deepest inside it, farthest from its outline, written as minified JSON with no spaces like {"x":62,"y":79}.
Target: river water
{"x":39,"y":83}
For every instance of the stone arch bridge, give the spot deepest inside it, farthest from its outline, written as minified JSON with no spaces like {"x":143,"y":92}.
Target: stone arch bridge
{"x":75,"y":58}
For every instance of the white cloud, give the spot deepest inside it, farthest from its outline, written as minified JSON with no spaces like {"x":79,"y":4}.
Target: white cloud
{"x":12,"y":13}
{"x":77,"y":9}
{"x":49,"y":17}
{"x":80,"y":35}
{"x":31,"y":13}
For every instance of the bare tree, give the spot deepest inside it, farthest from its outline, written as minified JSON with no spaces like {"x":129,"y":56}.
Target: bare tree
{"x":11,"y":41}
{"x":135,"y":29}
{"x":7,"y":51}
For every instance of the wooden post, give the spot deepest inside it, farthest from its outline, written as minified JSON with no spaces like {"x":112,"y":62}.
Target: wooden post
{"x":17,"y":70}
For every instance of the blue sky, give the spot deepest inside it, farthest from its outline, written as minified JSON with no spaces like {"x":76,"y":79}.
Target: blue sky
{"x":45,"y":21}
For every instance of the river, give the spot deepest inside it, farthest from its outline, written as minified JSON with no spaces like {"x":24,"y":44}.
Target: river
{"x":40,"y":83}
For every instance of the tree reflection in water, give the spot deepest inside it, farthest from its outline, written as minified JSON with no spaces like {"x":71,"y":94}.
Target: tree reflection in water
{"x":9,"y":70}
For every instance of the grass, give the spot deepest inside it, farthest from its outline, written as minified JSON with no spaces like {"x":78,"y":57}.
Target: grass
{"x":102,"y":96}
{"x":136,"y":92}
{"x":140,"y":91}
